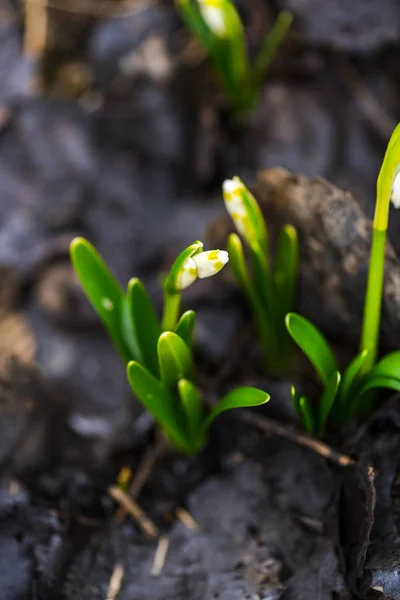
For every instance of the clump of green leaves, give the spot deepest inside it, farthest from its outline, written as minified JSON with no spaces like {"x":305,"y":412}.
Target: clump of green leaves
{"x":351,"y":393}
{"x":268,"y":286}
{"x":158,"y":354}
{"x":217,"y":25}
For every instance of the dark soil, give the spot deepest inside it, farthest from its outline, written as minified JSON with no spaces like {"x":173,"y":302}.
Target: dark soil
{"x":119,"y":132}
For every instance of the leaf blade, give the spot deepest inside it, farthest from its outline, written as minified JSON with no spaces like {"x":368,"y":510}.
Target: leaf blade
{"x":194,"y":411}
{"x":240,"y":398}
{"x":314,"y":345}
{"x":286,"y":267}
{"x":327,"y":400}
{"x":145,"y":325}
{"x":161,"y":403}
{"x":102,"y":290}
{"x":185,"y":327}
{"x":174,"y":358}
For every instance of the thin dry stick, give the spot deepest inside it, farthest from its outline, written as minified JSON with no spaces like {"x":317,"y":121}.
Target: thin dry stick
{"x":160,"y":556}
{"x":272,"y":427}
{"x":144,"y":522}
{"x":35,"y":38}
{"x":370,"y":106}
{"x":186,"y":518}
{"x":141,"y":475}
{"x":115,"y":582}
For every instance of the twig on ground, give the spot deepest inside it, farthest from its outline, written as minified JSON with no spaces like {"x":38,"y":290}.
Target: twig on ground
{"x":160,"y":556}
{"x":35,"y":37}
{"x":274,"y":428}
{"x":144,"y":522}
{"x":186,"y":519}
{"x":115,"y":582}
{"x":141,"y":475}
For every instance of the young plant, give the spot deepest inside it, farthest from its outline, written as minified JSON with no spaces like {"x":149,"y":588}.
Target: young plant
{"x":217,"y":25}
{"x":130,"y":318}
{"x":350,"y":394}
{"x":160,"y":366}
{"x":269,"y":288}
{"x":174,"y":400}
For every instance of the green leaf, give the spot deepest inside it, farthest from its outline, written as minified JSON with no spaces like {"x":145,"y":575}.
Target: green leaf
{"x":170,"y":284}
{"x":192,"y":404}
{"x":286,"y":268}
{"x":237,"y":261}
{"x":257,"y":233}
{"x":388,"y":366}
{"x":146,"y":328}
{"x":264,"y":322}
{"x":162,"y":404}
{"x":295,"y":399}
{"x":102,"y":289}
{"x":304,"y":410}
{"x":307,"y":415}
{"x":373,"y":383}
{"x":128,"y":332}
{"x":349,"y":379}
{"x":314,"y":345}
{"x":185,"y":327}
{"x":175,"y":360}
{"x":326,"y":401}
{"x":270,"y":47}
{"x":243,"y":397}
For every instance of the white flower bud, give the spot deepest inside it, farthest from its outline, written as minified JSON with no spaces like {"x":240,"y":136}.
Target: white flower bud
{"x":395,"y":197}
{"x":214,"y":16}
{"x":211,"y":262}
{"x":232,"y":190}
{"x":187,"y":274}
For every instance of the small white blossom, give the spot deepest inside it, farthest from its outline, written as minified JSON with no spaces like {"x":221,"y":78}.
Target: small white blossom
{"x":395,"y":197}
{"x":232,"y":190}
{"x":214,"y":16}
{"x":210,"y":262}
{"x":187,"y":274}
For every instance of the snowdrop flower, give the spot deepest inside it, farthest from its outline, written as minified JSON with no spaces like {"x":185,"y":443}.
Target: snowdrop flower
{"x":214,"y":16}
{"x":243,"y":210}
{"x":209,"y":263}
{"x":201,"y":265}
{"x":395,"y":196}
{"x":187,"y":274}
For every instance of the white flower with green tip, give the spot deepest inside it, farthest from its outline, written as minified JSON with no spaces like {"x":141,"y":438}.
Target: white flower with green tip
{"x":187,"y":275}
{"x":244,"y":211}
{"x":214,"y":16}
{"x":201,"y":265}
{"x":209,"y":263}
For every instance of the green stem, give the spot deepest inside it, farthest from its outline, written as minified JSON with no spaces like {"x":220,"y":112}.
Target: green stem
{"x":172,"y":305}
{"x":270,"y":47}
{"x":373,"y":298}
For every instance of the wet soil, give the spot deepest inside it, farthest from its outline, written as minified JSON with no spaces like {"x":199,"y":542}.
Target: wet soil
{"x":120,"y":133}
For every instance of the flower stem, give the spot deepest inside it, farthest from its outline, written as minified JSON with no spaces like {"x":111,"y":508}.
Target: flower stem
{"x":172,"y":304}
{"x":373,"y":297}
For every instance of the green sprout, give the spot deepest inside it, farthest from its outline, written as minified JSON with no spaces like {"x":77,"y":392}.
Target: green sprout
{"x":269,"y":288}
{"x":158,"y":355}
{"x":348,"y":394}
{"x":217,"y":25}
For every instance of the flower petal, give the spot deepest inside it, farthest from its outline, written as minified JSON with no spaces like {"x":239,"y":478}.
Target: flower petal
{"x":187,"y":274}
{"x":211,"y":262}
